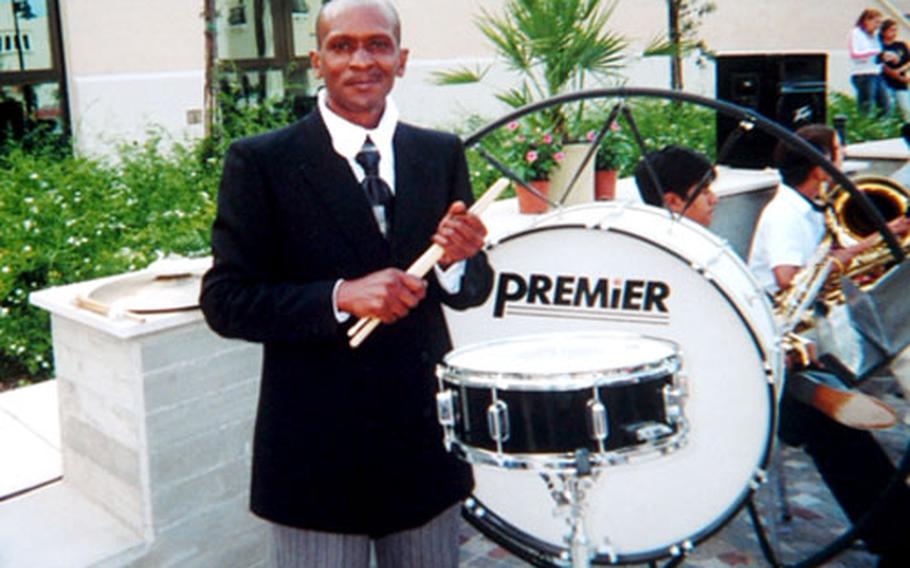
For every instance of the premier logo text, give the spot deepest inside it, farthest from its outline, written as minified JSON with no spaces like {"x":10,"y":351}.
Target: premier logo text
{"x":580,"y":292}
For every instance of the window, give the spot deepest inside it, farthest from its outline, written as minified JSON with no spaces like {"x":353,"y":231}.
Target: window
{"x":32,"y":91}
{"x":299,"y":7}
{"x":237,"y":15}
{"x":263,"y":47}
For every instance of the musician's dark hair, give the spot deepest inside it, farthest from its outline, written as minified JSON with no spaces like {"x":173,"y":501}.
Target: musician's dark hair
{"x":794,"y":165}
{"x":677,"y":168}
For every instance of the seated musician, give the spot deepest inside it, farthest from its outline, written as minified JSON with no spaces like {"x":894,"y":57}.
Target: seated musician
{"x":851,"y":462}
{"x":679,"y":170}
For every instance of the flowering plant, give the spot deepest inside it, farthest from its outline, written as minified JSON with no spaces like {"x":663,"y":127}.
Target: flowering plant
{"x":615,"y":150}
{"x":532,"y":153}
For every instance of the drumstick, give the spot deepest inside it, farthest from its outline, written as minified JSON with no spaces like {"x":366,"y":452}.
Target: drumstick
{"x":432,"y":255}
{"x":103,"y":309}
{"x":365,"y":326}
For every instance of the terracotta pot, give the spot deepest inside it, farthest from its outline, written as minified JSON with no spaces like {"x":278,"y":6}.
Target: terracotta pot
{"x":530,"y":203}
{"x":604,"y":184}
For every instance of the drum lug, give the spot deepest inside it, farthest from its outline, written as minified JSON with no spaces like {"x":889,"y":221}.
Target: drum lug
{"x":674,"y":397}
{"x":498,"y":422}
{"x":598,"y":427}
{"x":445,"y":409}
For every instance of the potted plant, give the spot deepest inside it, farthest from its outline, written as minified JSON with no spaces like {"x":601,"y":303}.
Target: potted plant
{"x":554,"y":46}
{"x":614,"y":153}
{"x":532,"y":153}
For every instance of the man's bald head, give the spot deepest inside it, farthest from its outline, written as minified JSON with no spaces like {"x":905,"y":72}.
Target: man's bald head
{"x":335,"y":8}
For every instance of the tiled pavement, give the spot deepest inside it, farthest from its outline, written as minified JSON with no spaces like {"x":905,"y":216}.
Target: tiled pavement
{"x":817,"y":520}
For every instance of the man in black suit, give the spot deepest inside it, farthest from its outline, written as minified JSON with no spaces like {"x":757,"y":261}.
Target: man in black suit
{"x":347,"y":448}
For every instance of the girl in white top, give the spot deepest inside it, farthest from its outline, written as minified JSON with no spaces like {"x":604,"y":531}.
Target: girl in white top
{"x":866,"y":58}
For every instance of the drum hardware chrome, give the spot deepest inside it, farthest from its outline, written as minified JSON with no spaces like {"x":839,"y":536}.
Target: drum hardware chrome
{"x":719,"y":254}
{"x":598,"y":427}
{"x":681,"y":549}
{"x":569,"y":490}
{"x":465,"y":408}
{"x":674,"y":397}
{"x":474,"y":508}
{"x":445,"y":411}
{"x":445,"y":407}
{"x":759,"y":479}
{"x":617,"y":459}
{"x":498,"y":422}
{"x":605,"y":222}
{"x":648,"y":430}
{"x":676,"y":444}
{"x":700,"y":269}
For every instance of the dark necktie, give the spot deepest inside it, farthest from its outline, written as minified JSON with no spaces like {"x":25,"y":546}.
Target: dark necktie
{"x":377,"y":190}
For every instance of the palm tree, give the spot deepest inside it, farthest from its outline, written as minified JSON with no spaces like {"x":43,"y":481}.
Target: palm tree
{"x":554,"y":45}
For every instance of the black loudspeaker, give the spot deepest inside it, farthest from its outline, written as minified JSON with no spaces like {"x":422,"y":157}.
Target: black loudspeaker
{"x":786,"y":88}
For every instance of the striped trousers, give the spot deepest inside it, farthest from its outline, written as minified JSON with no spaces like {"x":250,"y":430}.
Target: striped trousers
{"x":433,"y":545}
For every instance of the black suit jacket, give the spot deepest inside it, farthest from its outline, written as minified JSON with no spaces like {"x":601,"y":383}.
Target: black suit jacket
{"x":345,"y":440}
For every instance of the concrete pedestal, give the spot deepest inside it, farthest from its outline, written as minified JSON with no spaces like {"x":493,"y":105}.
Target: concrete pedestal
{"x":156,"y":425}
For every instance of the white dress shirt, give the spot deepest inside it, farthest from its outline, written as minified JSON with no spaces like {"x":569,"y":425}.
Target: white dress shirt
{"x":788,"y":234}
{"x":348,"y":138}
{"x":347,"y":141}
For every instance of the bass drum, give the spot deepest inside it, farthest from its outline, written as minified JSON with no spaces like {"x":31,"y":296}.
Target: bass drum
{"x":634,"y":268}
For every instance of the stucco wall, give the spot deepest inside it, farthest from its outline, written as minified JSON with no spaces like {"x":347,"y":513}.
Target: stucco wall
{"x":133,"y":64}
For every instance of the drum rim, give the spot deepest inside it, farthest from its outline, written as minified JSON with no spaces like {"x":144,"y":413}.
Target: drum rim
{"x":562,"y":381}
{"x":562,"y":461}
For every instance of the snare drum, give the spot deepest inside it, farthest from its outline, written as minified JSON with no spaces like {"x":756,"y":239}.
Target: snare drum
{"x":635,"y":269}
{"x":532,"y":402}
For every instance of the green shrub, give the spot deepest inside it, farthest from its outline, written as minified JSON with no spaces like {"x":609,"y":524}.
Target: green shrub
{"x":862,"y":127}
{"x":68,"y":219}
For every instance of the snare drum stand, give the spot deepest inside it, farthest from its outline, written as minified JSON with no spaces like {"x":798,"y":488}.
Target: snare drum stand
{"x":568,"y":491}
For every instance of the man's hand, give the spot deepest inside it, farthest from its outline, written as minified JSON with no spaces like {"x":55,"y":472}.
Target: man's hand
{"x":388,"y":295}
{"x":900,"y":226}
{"x":460,"y":233}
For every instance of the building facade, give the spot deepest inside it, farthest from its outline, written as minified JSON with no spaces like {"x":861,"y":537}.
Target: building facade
{"x":113,"y":71}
